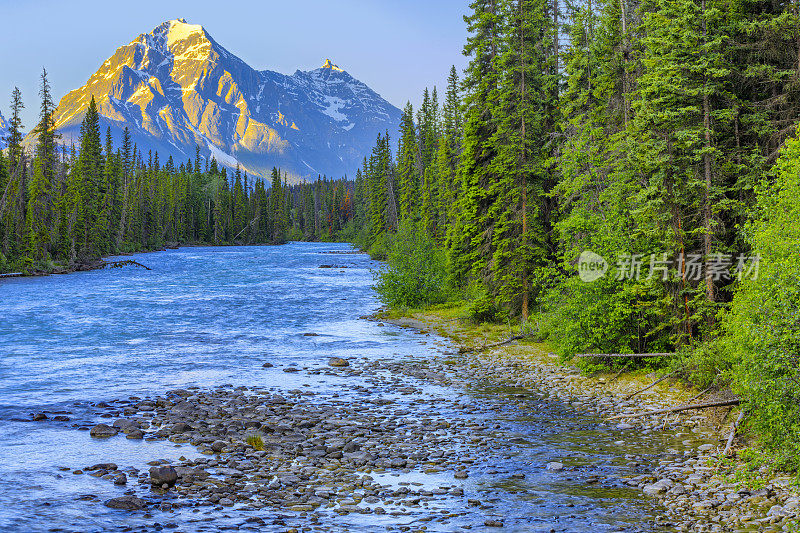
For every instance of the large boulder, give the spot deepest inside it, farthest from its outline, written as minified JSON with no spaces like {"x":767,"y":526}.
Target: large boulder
{"x":125,"y":423}
{"x":658,"y":487}
{"x":127,"y":503}
{"x":181,"y":427}
{"x":103,"y":431}
{"x":189,"y":474}
{"x":163,"y":475}
{"x":101,"y":466}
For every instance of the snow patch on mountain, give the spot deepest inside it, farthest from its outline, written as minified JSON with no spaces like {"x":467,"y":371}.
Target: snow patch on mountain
{"x":221,"y":157}
{"x":179,"y":30}
{"x":333,"y":106}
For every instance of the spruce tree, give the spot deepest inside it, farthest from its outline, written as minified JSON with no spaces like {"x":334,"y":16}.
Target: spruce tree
{"x":238,"y":205}
{"x":469,"y":236}
{"x":87,"y":201}
{"x":408,"y":166}
{"x":40,"y":213}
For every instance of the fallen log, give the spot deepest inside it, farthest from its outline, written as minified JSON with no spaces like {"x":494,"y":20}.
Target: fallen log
{"x":636,"y":355}
{"x":678,"y":409}
{"x":653,"y":384}
{"x":120,"y":264}
{"x":701,"y":393}
{"x":618,"y":374}
{"x":733,"y":434}
{"x":11,"y":275}
{"x":511,"y":339}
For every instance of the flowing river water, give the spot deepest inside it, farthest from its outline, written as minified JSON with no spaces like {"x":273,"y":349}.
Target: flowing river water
{"x":204,"y":317}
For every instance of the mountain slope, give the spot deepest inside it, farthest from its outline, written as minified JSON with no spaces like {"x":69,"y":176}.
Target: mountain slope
{"x":176,"y":87}
{"x":3,"y":132}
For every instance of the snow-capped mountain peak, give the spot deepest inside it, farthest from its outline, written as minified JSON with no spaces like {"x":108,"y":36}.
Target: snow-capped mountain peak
{"x":328,"y":64}
{"x":176,"y":88}
{"x":180,"y":30}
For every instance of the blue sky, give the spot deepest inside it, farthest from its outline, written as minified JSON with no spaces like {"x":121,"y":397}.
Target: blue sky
{"x":397,"y":47}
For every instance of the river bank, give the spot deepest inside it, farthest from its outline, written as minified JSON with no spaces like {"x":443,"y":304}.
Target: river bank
{"x":401,"y":447}
{"x":54,"y":268}
{"x":102,"y":262}
{"x":328,"y":461}
{"x":698,"y":486}
{"x":409,"y":435}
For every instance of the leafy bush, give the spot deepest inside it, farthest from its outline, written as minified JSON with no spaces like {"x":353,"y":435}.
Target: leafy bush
{"x":607,"y":316}
{"x":483,"y":308}
{"x":763,"y":326}
{"x":709,"y":364}
{"x":19,"y":264}
{"x":381,"y":247}
{"x":416,"y":274}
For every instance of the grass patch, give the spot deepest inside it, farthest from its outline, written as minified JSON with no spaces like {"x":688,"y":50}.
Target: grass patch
{"x":256,"y":442}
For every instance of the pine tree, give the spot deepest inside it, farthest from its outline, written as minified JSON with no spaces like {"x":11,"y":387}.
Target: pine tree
{"x":276,"y":208}
{"x":525,"y":116}
{"x":376,"y":174}
{"x":40,"y":214}
{"x":88,"y":224}
{"x":677,"y":92}
{"x":469,"y":237}
{"x":238,"y":205}
{"x":447,"y":156}
{"x":408,"y":166}
{"x":15,"y":130}
{"x":13,"y":196}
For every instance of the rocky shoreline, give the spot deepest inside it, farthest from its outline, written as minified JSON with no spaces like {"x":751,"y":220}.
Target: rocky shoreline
{"x":694,"y":485}
{"x":324,"y":460}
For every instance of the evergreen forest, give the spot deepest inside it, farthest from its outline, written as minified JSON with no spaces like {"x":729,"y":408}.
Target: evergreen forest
{"x":659,"y":135}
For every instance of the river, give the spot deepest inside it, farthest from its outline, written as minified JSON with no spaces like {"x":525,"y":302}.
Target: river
{"x":208,"y":316}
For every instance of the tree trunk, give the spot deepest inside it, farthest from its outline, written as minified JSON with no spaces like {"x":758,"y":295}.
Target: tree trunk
{"x":707,"y":175}
{"x":523,"y":177}
{"x":625,"y":55}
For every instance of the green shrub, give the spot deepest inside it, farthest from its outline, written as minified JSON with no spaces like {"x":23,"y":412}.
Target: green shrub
{"x":710,"y":364}
{"x":381,"y":247}
{"x":762,"y":329}
{"x":416,"y":274}
{"x":483,"y":308}
{"x":607,"y":316}
{"x":18,"y":264}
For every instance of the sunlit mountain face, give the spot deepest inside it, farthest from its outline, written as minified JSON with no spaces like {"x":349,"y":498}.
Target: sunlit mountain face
{"x":175,"y":88}
{"x":3,"y":132}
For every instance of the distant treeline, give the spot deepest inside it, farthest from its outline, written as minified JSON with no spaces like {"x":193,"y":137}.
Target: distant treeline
{"x":62,"y":206}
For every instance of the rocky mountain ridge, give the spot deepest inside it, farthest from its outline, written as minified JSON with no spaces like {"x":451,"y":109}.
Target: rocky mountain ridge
{"x":176,"y":88}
